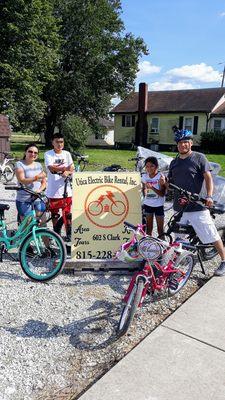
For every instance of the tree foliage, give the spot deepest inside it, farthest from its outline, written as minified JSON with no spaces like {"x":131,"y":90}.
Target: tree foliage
{"x":76,"y":131}
{"x":99,"y":60}
{"x":28,"y":57}
{"x":64,"y":56}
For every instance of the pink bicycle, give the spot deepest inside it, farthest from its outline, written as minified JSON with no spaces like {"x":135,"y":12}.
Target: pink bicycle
{"x":166,"y":267}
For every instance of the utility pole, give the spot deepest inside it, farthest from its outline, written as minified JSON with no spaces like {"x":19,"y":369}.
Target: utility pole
{"x":223,"y":76}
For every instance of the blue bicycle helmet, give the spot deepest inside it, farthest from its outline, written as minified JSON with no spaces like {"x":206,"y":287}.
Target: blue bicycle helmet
{"x":182,"y":134}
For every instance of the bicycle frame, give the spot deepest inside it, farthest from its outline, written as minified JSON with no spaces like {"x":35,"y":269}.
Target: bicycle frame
{"x":28,"y":224}
{"x":175,"y":227}
{"x":164,"y":269}
{"x":156,"y":283}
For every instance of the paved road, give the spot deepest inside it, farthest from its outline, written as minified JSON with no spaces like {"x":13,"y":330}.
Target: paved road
{"x":184,"y":358}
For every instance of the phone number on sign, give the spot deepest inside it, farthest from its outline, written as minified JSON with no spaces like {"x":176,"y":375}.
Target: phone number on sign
{"x":97,"y":255}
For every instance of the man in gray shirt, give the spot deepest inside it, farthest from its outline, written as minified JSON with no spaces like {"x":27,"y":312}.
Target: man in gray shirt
{"x":189,"y":170}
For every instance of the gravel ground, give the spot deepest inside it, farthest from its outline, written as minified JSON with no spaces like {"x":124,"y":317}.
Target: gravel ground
{"x":57,"y":338}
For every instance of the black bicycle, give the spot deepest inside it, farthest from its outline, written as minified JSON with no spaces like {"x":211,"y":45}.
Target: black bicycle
{"x":81,"y":161}
{"x":204,"y":252}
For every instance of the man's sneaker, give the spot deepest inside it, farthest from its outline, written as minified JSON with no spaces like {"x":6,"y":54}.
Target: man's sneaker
{"x":220,"y":271}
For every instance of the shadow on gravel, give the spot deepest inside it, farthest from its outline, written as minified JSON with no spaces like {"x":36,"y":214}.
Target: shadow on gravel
{"x":90,"y":333}
{"x":119,"y":287}
{"x":7,"y":201}
{"x":12,"y":277}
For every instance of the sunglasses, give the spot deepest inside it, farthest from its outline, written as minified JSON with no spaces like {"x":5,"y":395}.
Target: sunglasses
{"x":59,"y":141}
{"x":32,"y":152}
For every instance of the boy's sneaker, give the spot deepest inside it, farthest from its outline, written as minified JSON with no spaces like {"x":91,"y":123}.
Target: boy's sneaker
{"x":220,"y":271}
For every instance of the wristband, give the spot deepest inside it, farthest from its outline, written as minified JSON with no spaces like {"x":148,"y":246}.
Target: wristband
{"x":209,"y":197}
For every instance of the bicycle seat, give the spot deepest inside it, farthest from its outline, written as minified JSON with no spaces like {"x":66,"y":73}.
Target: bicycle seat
{"x":4,"y":207}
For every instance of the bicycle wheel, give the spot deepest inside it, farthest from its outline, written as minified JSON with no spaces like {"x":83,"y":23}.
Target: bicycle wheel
{"x":131,"y":307}
{"x":42,"y":257}
{"x":184,"y":265}
{"x":166,"y":237}
{"x":82,"y":165}
{"x":118,"y":208}
{"x":95,"y":208}
{"x":8,"y":173}
{"x":211,"y":252}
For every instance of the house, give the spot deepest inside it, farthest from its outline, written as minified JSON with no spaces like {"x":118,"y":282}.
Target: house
{"x":5,"y":133}
{"x":146,"y":118}
{"x":104,"y":136}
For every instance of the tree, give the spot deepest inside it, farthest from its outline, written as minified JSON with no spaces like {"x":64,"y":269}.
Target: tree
{"x":76,"y":131}
{"x":98,"y":60}
{"x":28,"y":57}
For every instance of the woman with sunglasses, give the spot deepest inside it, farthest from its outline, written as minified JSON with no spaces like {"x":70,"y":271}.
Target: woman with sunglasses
{"x":30,"y":173}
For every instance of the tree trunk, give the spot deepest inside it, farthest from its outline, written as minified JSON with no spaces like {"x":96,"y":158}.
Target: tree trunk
{"x":50,"y":122}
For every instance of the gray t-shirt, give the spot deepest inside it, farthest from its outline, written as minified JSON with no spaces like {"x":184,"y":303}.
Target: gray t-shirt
{"x":188,"y":174}
{"x":29,"y":172}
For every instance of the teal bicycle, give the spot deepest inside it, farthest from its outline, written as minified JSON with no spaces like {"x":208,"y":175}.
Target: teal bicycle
{"x":42,"y":253}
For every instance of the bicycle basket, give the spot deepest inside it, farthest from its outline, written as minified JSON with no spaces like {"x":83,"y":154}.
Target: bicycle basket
{"x":128,"y":254}
{"x":150,"y":248}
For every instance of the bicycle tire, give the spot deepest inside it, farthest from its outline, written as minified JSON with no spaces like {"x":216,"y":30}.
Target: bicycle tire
{"x":115,"y":206}
{"x":8,"y":173}
{"x":93,"y":212}
{"x":130,"y":308}
{"x":211,"y":252}
{"x":82,"y":165}
{"x":188,"y":255}
{"x":50,"y":262}
{"x":166,"y":237}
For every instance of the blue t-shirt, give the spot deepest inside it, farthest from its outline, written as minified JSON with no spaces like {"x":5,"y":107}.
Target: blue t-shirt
{"x":29,"y":172}
{"x":188,"y":173}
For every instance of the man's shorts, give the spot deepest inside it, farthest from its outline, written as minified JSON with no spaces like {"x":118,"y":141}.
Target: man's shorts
{"x":60,"y":204}
{"x":203,"y":225}
{"x":157,"y":211}
{"x":24,"y":208}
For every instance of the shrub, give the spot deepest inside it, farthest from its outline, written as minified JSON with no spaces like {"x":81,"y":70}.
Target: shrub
{"x":76,"y":131}
{"x":213,"y":142}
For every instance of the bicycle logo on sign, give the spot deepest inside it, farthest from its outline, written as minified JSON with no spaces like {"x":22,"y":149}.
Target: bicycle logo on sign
{"x":106,"y":206}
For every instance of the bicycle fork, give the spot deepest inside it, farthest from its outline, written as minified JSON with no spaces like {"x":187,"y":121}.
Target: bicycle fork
{"x":37,"y":243}
{"x":133,"y":283}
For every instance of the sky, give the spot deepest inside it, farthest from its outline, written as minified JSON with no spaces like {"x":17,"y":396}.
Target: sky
{"x":185,"y":38}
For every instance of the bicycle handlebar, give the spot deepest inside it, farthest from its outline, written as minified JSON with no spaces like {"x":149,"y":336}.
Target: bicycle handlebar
{"x":216,"y":208}
{"x":7,"y":154}
{"x":40,"y":196}
{"x":81,"y":156}
{"x":136,"y":159}
{"x":189,"y":195}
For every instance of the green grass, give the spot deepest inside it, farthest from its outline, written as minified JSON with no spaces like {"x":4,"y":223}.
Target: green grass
{"x":100,"y":158}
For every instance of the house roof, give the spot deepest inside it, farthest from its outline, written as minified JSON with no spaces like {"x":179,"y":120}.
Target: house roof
{"x":191,"y":100}
{"x":219,"y":110}
{"x":107,"y":123}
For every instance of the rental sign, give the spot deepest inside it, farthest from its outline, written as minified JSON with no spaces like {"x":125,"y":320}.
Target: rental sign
{"x":101,"y":202}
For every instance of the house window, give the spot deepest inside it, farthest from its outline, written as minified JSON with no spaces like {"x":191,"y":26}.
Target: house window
{"x":217,"y":124}
{"x":99,"y":135}
{"x":188,"y":123}
{"x":154,"y":125}
{"x":128,"y":120}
